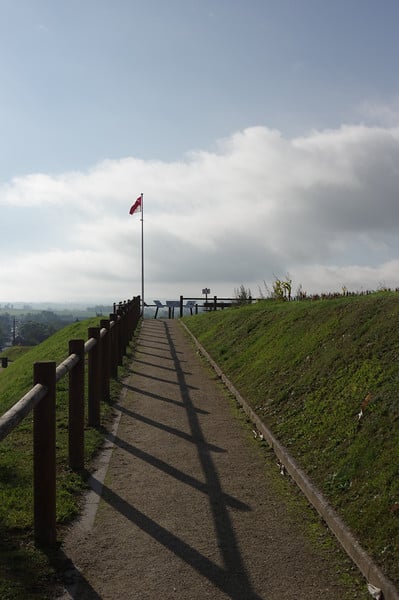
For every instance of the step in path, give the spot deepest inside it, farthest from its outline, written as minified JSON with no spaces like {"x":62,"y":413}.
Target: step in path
{"x":189,"y":507}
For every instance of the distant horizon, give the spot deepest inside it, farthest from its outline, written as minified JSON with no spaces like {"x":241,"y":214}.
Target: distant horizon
{"x":50,"y":304}
{"x":19,"y":304}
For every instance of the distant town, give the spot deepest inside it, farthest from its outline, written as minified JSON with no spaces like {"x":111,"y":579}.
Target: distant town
{"x":28,"y":324}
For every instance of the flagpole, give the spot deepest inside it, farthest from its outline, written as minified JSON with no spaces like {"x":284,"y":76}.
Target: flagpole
{"x":142,"y":256}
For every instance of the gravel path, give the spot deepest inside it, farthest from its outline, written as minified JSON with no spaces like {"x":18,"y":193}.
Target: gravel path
{"x":189,"y":507}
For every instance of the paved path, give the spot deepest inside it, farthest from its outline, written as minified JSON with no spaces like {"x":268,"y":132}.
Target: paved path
{"x":189,"y":509}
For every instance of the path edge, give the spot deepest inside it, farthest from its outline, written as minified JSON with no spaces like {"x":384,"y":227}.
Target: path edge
{"x":349,"y":543}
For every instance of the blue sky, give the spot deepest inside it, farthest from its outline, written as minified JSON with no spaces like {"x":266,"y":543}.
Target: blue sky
{"x":263,"y":134}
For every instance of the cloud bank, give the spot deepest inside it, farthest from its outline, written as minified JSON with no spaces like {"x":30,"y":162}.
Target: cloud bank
{"x":322,"y":207}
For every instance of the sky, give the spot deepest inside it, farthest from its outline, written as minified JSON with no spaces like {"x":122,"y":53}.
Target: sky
{"x":264,"y":136}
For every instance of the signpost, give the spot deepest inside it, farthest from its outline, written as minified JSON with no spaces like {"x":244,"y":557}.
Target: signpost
{"x":206,"y":291}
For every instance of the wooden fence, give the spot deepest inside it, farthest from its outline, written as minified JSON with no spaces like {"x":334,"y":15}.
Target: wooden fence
{"x":106,"y":346}
{"x":194,"y":305}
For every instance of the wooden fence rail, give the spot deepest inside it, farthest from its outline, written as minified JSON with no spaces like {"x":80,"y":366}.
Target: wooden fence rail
{"x":194,"y":305}
{"x":106,"y":346}
{"x":213,"y":303}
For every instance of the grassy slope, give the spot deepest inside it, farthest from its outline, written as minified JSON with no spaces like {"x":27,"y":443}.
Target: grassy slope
{"x":308,"y":368}
{"x":24,"y":571}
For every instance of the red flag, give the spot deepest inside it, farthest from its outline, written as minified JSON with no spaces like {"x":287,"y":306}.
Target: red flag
{"x":136,"y":206}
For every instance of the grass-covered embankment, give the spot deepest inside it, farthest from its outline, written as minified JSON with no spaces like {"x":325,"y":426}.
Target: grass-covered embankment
{"x":25,"y":572}
{"x":309,"y":369}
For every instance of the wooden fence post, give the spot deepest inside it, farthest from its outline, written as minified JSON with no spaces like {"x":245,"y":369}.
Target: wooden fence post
{"x":94,"y":364}
{"x":76,"y":406}
{"x":44,"y":469}
{"x":129,"y":316}
{"x":124,"y":331}
{"x":181,"y":306}
{"x":113,"y":344}
{"x":119,"y":337}
{"x":136,"y":311}
{"x":134,"y":315}
{"x":106,"y":360}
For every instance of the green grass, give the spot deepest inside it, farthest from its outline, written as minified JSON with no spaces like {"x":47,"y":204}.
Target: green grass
{"x":308,"y":368}
{"x":26,"y":572}
{"x":15,"y":352}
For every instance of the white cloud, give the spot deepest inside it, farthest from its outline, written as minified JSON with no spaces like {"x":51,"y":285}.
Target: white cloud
{"x":323,"y":207}
{"x":354,"y":277}
{"x":381,"y":112}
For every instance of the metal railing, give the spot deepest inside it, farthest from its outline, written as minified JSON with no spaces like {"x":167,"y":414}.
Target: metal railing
{"x":105,"y":347}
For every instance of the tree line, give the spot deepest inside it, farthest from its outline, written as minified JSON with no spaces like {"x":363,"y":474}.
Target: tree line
{"x":31,"y":329}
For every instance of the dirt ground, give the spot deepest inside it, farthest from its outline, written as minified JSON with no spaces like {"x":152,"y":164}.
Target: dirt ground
{"x":191,"y":506}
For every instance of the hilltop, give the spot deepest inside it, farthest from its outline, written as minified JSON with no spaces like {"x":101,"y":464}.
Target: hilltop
{"x":324,"y":376}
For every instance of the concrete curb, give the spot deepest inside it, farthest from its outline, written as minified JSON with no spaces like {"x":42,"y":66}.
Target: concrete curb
{"x":364,"y":562}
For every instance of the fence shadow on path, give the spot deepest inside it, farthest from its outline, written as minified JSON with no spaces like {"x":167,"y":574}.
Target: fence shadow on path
{"x":75,"y":584}
{"x":172,"y":430}
{"x":234,"y":579}
{"x":231,"y":577}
